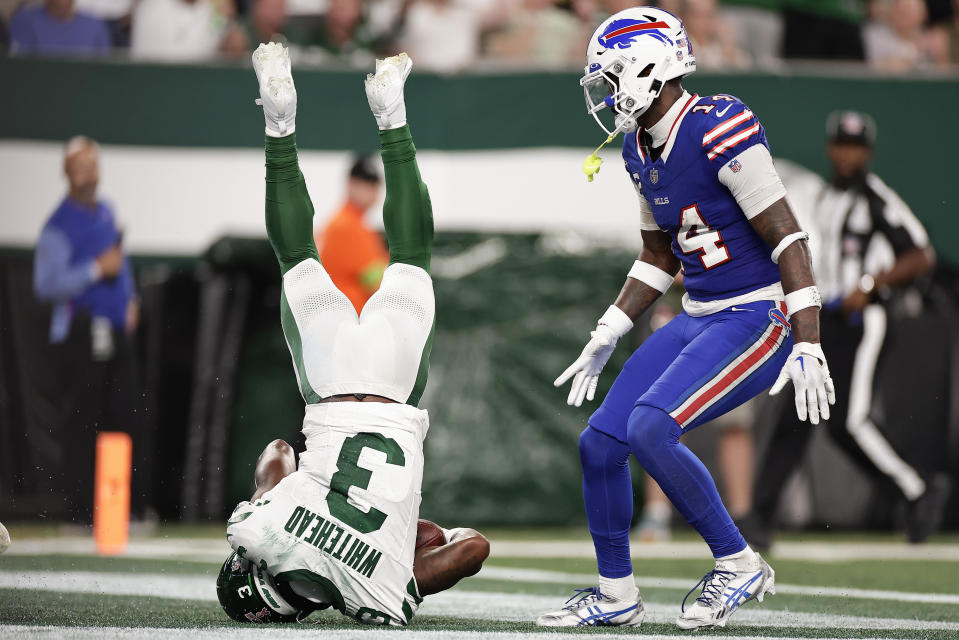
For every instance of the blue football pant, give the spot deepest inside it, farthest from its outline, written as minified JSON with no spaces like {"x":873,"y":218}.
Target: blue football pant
{"x":686,"y":374}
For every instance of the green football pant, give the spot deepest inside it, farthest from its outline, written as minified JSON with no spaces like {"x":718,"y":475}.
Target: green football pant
{"x":311,"y":304}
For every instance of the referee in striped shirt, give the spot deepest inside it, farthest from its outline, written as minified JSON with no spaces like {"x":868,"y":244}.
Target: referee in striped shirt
{"x":869,"y":243}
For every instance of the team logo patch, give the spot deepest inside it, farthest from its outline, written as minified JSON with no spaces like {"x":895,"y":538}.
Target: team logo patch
{"x":735,"y":166}
{"x":620,"y":34}
{"x":654,"y":176}
{"x":777,"y":316}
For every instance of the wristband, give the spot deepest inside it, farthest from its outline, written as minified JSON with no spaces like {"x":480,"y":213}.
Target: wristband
{"x":785,"y":242}
{"x":798,"y":300}
{"x":617,"y":320}
{"x":653,"y":276}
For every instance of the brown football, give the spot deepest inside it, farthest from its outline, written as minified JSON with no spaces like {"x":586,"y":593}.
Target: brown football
{"x":428,"y":534}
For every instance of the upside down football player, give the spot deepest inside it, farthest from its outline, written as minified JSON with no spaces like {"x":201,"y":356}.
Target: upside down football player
{"x":341,"y":530}
{"x":711,"y":202}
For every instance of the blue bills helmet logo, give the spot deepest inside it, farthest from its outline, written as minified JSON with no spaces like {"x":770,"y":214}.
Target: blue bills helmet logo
{"x":621,"y":34}
{"x":777,"y":316}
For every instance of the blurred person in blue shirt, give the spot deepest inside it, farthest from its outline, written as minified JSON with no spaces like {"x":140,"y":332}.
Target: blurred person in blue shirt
{"x":81,"y":268}
{"x":79,"y":263}
{"x":57,"y":28}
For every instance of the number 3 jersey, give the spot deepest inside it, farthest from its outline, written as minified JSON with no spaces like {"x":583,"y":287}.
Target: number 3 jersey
{"x":702,"y":186}
{"x":341,"y":530}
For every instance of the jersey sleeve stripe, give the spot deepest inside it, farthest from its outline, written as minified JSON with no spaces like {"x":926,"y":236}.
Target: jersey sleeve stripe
{"x":723,"y":127}
{"x":732,"y":141}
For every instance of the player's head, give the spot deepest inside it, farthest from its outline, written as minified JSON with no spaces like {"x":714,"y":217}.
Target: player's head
{"x":365,"y":182}
{"x":249,"y":594}
{"x":628,"y":60}
{"x":851,"y":136}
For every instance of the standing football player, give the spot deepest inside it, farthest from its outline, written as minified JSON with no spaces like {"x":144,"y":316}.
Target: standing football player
{"x":341,"y":530}
{"x":711,"y":203}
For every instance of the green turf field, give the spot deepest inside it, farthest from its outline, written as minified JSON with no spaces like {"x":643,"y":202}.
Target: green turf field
{"x":829,"y":586}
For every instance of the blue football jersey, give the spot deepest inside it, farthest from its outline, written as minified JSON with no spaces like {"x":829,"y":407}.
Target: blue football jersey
{"x":722,"y":256}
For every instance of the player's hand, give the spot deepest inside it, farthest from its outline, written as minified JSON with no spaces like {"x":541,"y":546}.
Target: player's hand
{"x":806,"y":367}
{"x":585,"y":371}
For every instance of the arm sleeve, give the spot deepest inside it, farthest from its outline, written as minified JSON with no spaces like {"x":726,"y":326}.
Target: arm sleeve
{"x":753,"y":180}
{"x":646,"y":220}
{"x":129,"y":284}
{"x":54,"y":279}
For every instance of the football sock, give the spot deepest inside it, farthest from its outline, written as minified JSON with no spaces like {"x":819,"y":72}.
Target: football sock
{"x":608,"y":494}
{"x":620,"y":588}
{"x":289,"y":210}
{"x":654,"y":438}
{"x":407,"y":212}
{"x":745,"y":560}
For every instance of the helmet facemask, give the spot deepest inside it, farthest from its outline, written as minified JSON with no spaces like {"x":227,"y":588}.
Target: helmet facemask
{"x":626,"y":92}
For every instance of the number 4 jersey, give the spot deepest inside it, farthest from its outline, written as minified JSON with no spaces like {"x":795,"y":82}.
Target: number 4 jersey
{"x":712,"y":175}
{"x":341,"y":530}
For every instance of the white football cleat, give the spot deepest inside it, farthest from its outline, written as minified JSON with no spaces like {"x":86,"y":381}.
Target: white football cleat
{"x":271,"y":61}
{"x":593,"y":609}
{"x":725,"y":589}
{"x":384,"y":91}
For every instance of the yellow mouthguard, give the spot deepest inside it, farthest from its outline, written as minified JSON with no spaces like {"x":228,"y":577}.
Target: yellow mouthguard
{"x":593,"y":162}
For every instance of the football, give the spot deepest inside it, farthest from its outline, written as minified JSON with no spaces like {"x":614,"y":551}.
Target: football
{"x":5,"y":537}
{"x":429,"y":534}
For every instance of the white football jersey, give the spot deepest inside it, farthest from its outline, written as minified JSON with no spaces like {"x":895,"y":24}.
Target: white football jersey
{"x":341,"y":530}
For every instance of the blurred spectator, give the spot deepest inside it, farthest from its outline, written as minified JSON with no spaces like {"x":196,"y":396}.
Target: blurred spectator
{"x":869,"y":243}
{"x":713,"y":42}
{"x":758,"y":26}
{"x":946,"y":37}
{"x":81,"y":267}
{"x":538,"y":32}
{"x":353,"y":253}
{"x":444,"y":35}
{"x":823,"y":29}
{"x":117,"y":15}
{"x":57,"y":28}
{"x":266,"y":22}
{"x":343,"y":32}
{"x":899,"y":40}
{"x":179,"y":30}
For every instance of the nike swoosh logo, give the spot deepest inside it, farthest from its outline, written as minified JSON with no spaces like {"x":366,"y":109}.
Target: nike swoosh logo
{"x":739,"y":309}
{"x":720,"y":114}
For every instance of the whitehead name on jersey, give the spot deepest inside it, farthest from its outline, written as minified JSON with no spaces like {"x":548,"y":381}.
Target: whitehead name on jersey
{"x":722,"y":256}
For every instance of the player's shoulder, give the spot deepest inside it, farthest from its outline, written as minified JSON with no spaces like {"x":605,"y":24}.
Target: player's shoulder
{"x":711,"y":110}
{"x":722,"y":125}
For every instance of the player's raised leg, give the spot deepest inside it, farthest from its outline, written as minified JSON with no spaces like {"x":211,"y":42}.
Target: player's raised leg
{"x":408,"y":221}
{"x":289,"y":226}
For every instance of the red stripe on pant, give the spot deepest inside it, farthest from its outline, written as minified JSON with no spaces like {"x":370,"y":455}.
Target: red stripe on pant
{"x":730,"y":379}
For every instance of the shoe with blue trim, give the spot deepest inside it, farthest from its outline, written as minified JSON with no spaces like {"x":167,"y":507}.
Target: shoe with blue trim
{"x":725,"y":589}
{"x":590,"y":608}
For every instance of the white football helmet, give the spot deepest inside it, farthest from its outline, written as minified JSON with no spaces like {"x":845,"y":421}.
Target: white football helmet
{"x":629,"y":58}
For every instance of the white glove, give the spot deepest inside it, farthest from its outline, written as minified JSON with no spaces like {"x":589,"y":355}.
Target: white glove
{"x":806,"y":367}
{"x":585,"y":371}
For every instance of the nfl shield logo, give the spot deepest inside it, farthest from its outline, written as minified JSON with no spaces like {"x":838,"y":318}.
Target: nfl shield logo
{"x":654,"y":176}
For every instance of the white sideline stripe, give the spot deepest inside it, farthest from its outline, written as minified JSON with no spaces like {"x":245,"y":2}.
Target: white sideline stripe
{"x":559,"y":577}
{"x":455,"y":603}
{"x":217,"y":549}
{"x":807,"y":551}
{"x":257,"y":633}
